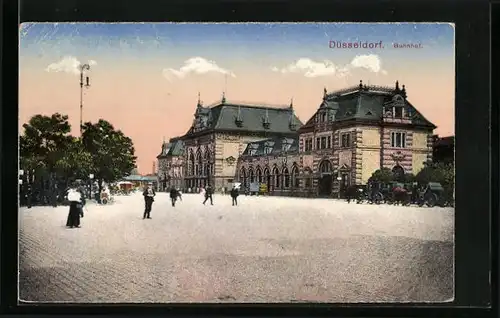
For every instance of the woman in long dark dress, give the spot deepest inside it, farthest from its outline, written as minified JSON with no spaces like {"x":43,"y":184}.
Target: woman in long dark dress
{"x":77,"y":201}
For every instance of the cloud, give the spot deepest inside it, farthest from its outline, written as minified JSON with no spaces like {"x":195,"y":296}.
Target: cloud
{"x":197,"y":65}
{"x":69,"y":64}
{"x":310,"y":68}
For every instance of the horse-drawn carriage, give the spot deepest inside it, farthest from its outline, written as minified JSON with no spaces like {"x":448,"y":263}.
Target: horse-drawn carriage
{"x":432,"y":194}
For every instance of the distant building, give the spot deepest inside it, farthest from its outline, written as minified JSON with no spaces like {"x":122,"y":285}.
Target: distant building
{"x":141,"y":181}
{"x":274,"y":162}
{"x":220,"y":133}
{"x":354,"y":132}
{"x":171,"y":165}
{"x":443,"y":149}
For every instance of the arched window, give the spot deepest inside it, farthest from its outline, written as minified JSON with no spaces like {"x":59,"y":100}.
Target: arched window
{"x":191,"y":164}
{"x":308,"y":177}
{"x":286,"y":178}
{"x":325,"y":166}
{"x":399,"y":173}
{"x":243,"y":175}
{"x":207,"y":166}
{"x":276,"y":176}
{"x":295,"y":177}
{"x":259,"y":175}
{"x":252,"y":175}
{"x":199,"y":163}
{"x":267,"y":176}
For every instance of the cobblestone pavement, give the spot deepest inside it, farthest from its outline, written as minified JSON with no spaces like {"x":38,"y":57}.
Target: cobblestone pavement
{"x":267,"y":249}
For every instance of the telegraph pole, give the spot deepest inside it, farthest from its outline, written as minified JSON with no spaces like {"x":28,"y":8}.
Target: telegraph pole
{"x":83,"y":68}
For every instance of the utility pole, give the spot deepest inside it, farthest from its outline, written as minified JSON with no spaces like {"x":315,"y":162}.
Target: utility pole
{"x":83,"y":68}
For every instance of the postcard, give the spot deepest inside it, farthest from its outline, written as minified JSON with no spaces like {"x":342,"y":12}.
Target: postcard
{"x":236,"y":162}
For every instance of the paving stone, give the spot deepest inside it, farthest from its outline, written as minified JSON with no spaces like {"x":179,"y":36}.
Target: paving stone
{"x":267,"y":249}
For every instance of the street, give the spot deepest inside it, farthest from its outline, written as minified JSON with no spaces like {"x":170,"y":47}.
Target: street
{"x":267,"y":249}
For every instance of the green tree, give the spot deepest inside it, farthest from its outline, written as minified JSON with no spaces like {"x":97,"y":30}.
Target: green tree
{"x":443,"y":173}
{"x":383,"y":175}
{"x":112,"y":153}
{"x":44,"y":141}
{"x":76,"y":162}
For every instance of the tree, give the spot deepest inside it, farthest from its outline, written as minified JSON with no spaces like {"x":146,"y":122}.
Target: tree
{"x":44,"y":141}
{"x":76,"y":162}
{"x":443,"y":173}
{"x":383,"y":175}
{"x":112,"y":153}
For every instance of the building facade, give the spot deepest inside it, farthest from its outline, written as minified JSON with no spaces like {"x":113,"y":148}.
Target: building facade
{"x":220,"y":133}
{"x":171,"y":165}
{"x":353,"y":133}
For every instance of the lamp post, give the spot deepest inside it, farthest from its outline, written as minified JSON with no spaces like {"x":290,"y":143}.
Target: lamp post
{"x":339,"y":179}
{"x":83,"y":69}
{"x":91,"y":178}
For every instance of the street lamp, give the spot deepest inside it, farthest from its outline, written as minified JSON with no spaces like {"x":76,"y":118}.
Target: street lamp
{"x":339,"y":178}
{"x":91,"y":178}
{"x":83,"y":68}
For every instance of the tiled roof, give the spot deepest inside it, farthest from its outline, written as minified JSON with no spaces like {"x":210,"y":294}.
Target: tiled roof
{"x":277,"y":145}
{"x":365,"y":103}
{"x":246,"y":117}
{"x":177,"y":148}
{"x":165,"y":147}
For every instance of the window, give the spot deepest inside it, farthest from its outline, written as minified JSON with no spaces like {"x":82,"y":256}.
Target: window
{"x":346,"y":140}
{"x":323,"y":142}
{"x":253,"y":152}
{"x":398,"y":139}
{"x":308,"y":144}
{"x":267,"y":150}
{"x":318,"y":143}
{"x":398,"y":112}
{"x":329,"y":142}
{"x":323,"y":117}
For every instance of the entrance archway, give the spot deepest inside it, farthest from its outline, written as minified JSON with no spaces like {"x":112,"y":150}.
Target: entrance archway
{"x":399,"y":173}
{"x":325,"y":183}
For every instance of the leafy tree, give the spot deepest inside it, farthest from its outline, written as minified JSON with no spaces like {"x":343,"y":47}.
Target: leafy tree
{"x":76,"y":162}
{"x":383,"y":175}
{"x":112,"y":153}
{"x":443,"y":173}
{"x":44,"y":141}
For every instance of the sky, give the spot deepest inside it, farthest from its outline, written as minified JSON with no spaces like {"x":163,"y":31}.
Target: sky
{"x":145,"y":77}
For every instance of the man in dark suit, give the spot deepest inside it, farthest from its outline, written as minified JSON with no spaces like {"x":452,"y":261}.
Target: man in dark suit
{"x":234,"y":195}
{"x":173,"y":195}
{"x":208,"y":195}
{"x":149,"y":194}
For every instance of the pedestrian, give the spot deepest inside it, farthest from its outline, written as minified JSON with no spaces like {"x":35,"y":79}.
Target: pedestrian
{"x":173,"y":195}
{"x":77,"y":201}
{"x":149,"y":194}
{"x":29,"y":196}
{"x":208,"y":195}
{"x":234,"y":195}
{"x":179,"y":194}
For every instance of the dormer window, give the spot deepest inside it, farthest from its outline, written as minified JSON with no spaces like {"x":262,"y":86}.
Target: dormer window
{"x":323,"y":117}
{"x":238,"y":122}
{"x":268,"y":150}
{"x":266,"y":125}
{"x":398,"y":112}
{"x":253,"y":152}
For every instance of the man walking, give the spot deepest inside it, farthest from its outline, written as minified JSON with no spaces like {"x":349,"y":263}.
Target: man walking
{"x":208,"y":195}
{"x":149,"y":194}
{"x":173,"y":195}
{"x":234,"y":195}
